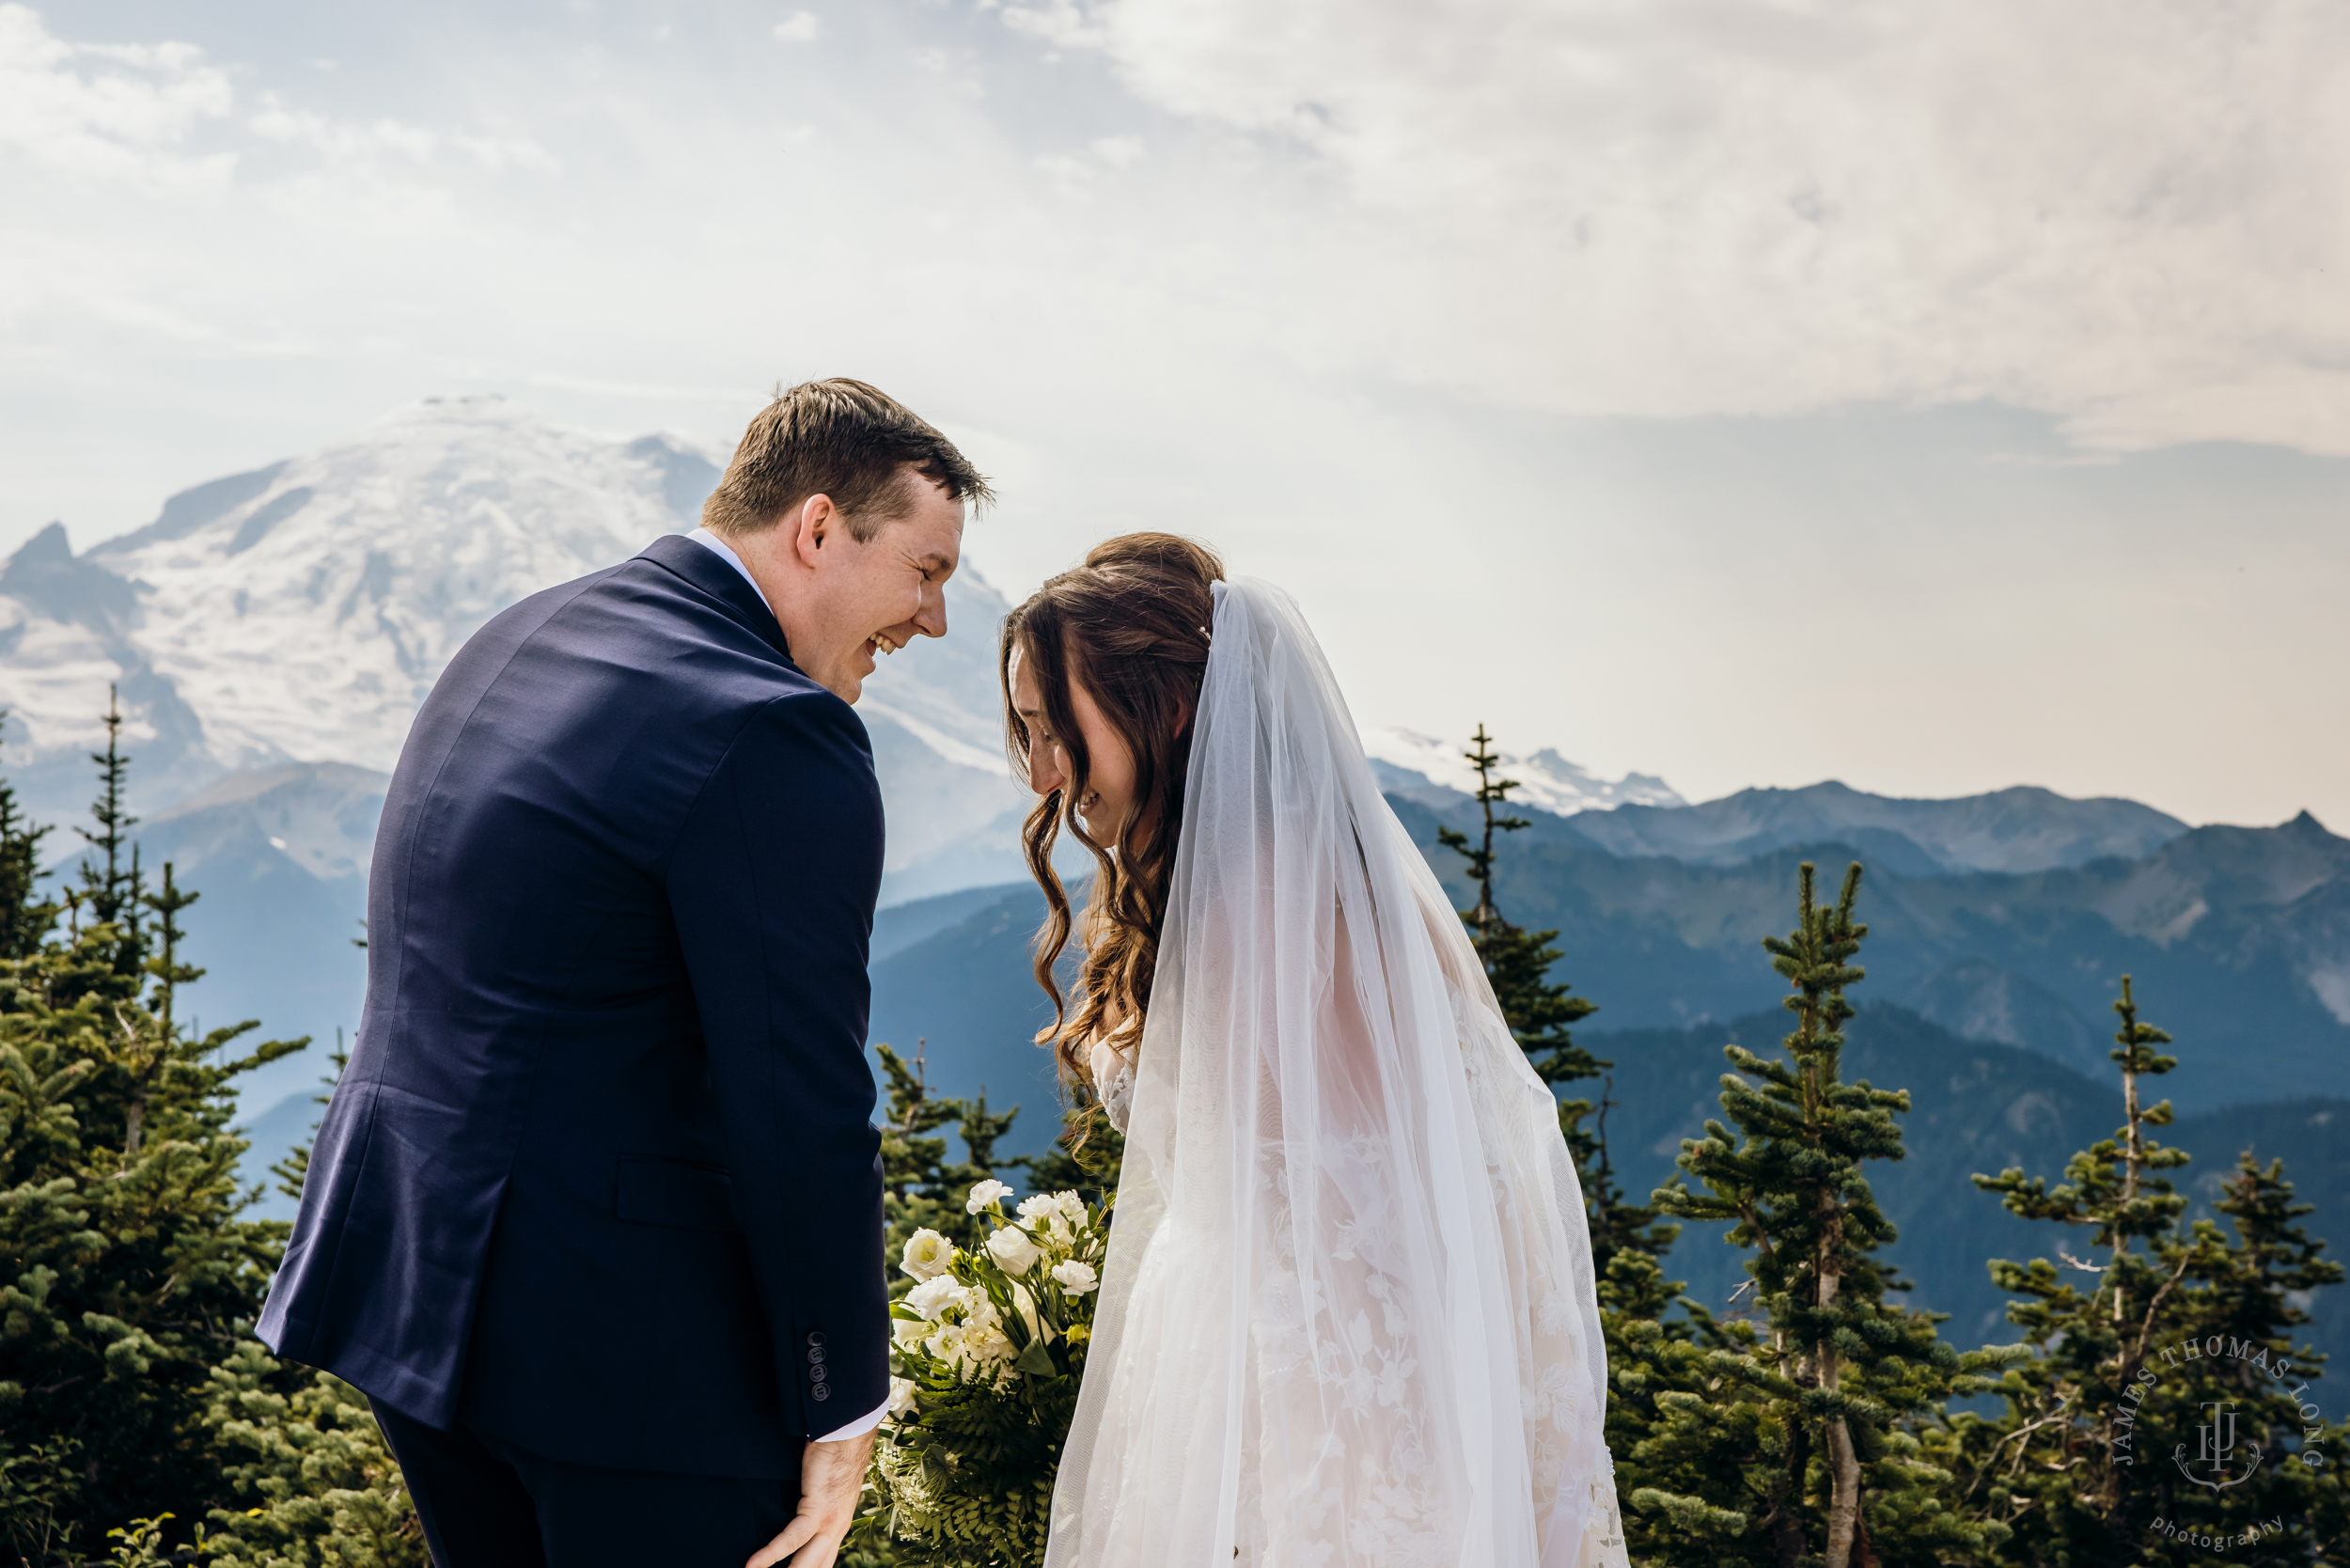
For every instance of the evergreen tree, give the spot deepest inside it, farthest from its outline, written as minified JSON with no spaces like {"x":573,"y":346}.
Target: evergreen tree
{"x":124,"y":1273}
{"x":113,"y":891}
{"x":1541,"y":1012}
{"x":921,"y":1188}
{"x":25,"y":917}
{"x":309,"y":1480}
{"x":1812,"y":1436}
{"x":2177,"y":1319}
{"x":1086,"y":1157}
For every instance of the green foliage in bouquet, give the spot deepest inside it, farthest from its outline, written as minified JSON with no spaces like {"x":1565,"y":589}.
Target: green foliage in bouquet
{"x":993,"y":1342}
{"x":927,"y":1196}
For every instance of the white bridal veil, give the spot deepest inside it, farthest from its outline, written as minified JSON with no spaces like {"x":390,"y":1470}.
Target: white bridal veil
{"x":1347,"y":1317}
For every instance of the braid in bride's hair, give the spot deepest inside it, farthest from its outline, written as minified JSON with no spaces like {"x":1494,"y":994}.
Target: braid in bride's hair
{"x":1132,"y":626}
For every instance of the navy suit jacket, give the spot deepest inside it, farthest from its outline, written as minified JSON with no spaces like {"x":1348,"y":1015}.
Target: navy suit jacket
{"x":601,"y":1177}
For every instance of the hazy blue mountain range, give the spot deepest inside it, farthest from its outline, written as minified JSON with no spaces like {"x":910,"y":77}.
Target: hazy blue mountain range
{"x":2008,"y":830}
{"x":2239,"y":939}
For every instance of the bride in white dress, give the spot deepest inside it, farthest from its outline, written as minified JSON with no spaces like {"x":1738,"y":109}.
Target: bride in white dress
{"x":1347,"y":1317}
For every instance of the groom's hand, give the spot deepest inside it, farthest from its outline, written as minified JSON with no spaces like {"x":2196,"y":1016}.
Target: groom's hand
{"x":832,"y":1475}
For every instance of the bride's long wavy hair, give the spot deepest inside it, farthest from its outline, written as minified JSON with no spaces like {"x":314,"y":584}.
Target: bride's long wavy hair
{"x":1130,"y":625}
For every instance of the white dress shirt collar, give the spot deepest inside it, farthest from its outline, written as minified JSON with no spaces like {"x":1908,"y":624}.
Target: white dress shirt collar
{"x":711,"y":542}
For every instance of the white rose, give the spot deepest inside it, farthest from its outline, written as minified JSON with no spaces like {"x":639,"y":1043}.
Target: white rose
{"x":900,"y":1395}
{"x":926,"y":1255}
{"x":1013,"y":1252}
{"x":985,"y":1195}
{"x":935,"y":1295}
{"x":1071,"y":1205}
{"x":1044,"y":1213}
{"x":988,"y":1345}
{"x":1076,"y":1279}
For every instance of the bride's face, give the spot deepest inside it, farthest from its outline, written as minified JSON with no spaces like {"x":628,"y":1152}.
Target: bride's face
{"x":1109,"y":790}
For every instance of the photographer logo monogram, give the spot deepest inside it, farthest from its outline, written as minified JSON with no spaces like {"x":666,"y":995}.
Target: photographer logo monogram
{"x":2224,"y":1453}
{"x":2215,"y":1450}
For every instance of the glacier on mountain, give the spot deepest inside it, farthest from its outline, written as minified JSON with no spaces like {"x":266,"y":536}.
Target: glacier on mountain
{"x":1437,"y":774}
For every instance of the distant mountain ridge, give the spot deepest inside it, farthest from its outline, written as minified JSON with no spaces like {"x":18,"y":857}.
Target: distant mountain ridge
{"x":1437,"y":774}
{"x":2239,"y":938}
{"x":2018,"y":829}
{"x":2239,"y":935}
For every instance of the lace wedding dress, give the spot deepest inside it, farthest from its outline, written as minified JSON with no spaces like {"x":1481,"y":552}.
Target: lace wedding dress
{"x":1347,"y":1318}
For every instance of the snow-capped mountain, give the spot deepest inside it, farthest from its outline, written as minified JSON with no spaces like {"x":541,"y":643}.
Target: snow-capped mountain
{"x":301,"y":612}
{"x":1437,"y":774}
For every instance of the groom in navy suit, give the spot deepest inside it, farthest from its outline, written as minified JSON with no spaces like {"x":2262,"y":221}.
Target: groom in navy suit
{"x":594,"y":1216}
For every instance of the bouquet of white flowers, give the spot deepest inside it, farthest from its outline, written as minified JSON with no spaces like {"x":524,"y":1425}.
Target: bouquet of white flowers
{"x":992,"y":1343}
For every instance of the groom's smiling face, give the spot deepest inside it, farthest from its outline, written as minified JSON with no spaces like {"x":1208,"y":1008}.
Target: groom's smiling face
{"x":846,"y":603}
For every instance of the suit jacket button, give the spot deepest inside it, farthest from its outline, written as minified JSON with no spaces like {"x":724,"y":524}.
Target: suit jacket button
{"x":816,"y":1355}
{"x":821,"y":1392}
{"x":816,"y":1341}
{"x":818,"y":1372}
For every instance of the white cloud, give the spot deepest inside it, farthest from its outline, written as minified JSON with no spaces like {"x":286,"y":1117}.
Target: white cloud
{"x":2125,"y":211}
{"x":1063,"y":24}
{"x":130,"y":111}
{"x":957,"y":68}
{"x":345,"y":142}
{"x":799,"y":27}
{"x":500,"y":154}
{"x":130,"y":121}
{"x":342,"y":140}
{"x":1076,"y":177}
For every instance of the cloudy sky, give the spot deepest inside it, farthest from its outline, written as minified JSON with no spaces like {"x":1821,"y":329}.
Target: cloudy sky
{"x":1935,"y":397}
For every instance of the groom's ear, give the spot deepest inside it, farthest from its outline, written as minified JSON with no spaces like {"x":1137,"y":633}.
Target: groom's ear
{"x":812,"y":522}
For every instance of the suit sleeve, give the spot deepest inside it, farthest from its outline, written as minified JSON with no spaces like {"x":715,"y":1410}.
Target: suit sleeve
{"x":771,"y":886}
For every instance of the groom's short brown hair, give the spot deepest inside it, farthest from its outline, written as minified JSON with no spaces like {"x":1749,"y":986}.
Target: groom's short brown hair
{"x":841,"y":439}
